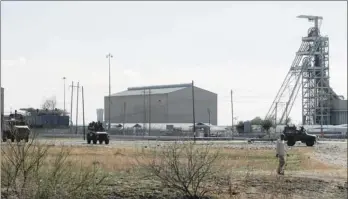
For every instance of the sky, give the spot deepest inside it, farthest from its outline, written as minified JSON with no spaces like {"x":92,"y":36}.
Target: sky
{"x":244,"y":46}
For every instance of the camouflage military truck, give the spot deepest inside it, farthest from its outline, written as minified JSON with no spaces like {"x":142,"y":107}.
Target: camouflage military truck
{"x":96,"y":132}
{"x":15,"y":128}
{"x":292,"y":135}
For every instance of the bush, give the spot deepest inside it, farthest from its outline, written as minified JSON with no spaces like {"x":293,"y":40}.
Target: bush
{"x":28,"y":171}
{"x":240,"y":127}
{"x":266,"y":125}
{"x":183,"y":167}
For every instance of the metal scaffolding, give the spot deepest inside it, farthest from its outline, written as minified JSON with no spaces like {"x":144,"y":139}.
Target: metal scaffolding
{"x":311,"y":65}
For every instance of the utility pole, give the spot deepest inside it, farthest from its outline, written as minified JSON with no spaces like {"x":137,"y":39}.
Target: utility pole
{"x":71,"y":104}
{"x":149,"y":111}
{"x":64,"y":78}
{"x":209,"y":121}
{"x":124,"y":116}
{"x":83,"y":114}
{"x":193,"y":113}
{"x":77,"y":105}
{"x":144,"y":123}
{"x":109,"y":56}
{"x":232,"y":109}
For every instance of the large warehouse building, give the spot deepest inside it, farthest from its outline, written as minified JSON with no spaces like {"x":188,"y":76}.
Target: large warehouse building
{"x":165,"y":104}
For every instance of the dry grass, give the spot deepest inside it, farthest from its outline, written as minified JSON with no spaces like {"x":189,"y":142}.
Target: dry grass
{"x":243,"y":172}
{"x":118,"y":159}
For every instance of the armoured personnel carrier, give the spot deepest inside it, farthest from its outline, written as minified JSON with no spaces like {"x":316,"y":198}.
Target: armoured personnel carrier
{"x":292,"y":134}
{"x":15,"y":128}
{"x":96,"y":132}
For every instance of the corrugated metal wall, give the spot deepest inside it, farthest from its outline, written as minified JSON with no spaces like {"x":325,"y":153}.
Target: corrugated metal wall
{"x":180,"y":106}
{"x":175,"y":107}
{"x":135,"y":109}
{"x":339,"y":117}
{"x":48,"y":120}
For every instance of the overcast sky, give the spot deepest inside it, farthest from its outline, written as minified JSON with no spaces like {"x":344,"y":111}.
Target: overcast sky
{"x":244,"y":46}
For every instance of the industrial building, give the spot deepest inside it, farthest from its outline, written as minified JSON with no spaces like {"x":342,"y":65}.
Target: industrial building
{"x":166,"y":104}
{"x":40,"y":118}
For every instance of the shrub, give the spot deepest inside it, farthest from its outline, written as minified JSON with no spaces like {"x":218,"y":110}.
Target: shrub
{"x":183,"y":167}
{"x":29,"y":171}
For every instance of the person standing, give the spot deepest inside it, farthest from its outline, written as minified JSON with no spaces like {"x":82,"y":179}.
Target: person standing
{"x":281,"y":152}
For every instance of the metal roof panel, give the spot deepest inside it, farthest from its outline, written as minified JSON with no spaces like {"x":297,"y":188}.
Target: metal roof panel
{"x":153,"y":91}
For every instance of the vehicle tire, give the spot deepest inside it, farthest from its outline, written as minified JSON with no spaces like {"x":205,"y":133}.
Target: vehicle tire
{"x":94,"y":141}
{"x":88,"y":141}
{"x":26,"y":139}
{"x":4,"y":139}
{"x":12,"y":139}
{"x":106,"y":141}
{"x":290,"y":142}
{"x":309,"y":143}
{"x":100,"y":141}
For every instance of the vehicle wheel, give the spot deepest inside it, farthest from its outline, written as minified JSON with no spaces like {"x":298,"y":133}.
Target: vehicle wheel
{"x":27,"y":139}
{"x":106,"y":141}
{"x":100,"y":141}
{"x":4,"y":139}
{"x":310,"y":143}
{"x":94,"y":141}
{"x":12,"y":139}
{"x":88,"y":141}
{"x":291,"y":143}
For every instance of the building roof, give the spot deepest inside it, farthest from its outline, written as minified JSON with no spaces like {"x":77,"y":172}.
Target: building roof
{"x":158,"y":89}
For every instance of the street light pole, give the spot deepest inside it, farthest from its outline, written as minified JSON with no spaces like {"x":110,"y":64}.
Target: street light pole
{"x":109,"y":56}
{"x":64,"y":78}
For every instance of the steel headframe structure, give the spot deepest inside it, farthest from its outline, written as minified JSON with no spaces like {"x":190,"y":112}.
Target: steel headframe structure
{"x":310,"y":69}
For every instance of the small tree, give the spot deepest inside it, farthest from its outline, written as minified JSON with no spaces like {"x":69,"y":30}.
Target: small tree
{"x":49,"y":104}
{"x":266,"y":125}
{"x":256,"y":121}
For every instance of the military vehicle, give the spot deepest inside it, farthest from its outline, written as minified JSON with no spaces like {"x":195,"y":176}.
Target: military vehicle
{"x":15,"y":128}
{"x":96,"y":132}
{"x":292,"y":135}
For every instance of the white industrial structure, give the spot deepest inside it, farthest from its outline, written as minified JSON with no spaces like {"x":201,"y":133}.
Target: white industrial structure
{"x":310,"y":68}
{"x":163,"y":104}
{"x":100,"y":115}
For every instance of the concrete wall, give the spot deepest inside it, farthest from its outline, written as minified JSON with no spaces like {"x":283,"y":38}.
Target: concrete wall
{"x":135,"y":108}
{"x":175,"y":107}
{"x":180,"y":106}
